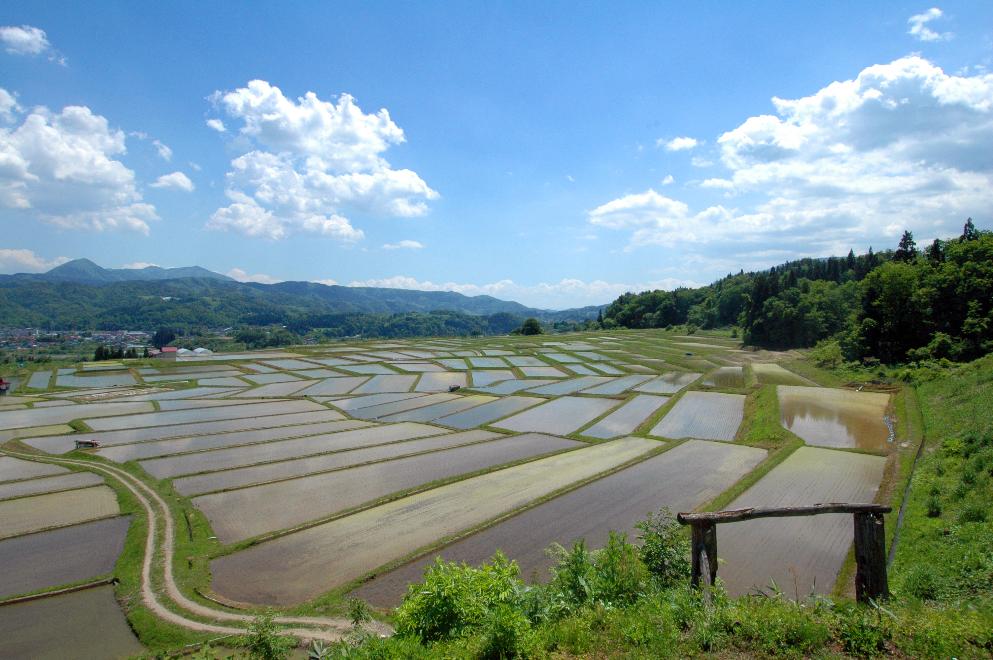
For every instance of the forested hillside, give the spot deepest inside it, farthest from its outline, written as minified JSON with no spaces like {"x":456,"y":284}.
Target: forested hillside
{"x":892,"y":306}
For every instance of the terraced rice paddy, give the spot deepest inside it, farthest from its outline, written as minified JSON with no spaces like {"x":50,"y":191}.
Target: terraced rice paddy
{"x":14,"y":468}
{"x":325,"y":464}
{"x":667,"y":383}
{"x":799,"y":554}
{"x":834,"y":417}
{"x":12,"y":419}
{"x":48,"y":484}
{"x":39,"y":512}
{"x":560,"y":416}
{"x":732,"y":377}
{"x":627,"y":418}
{"x":60,"y":444}
{"x":89,"y":625}
{"x":703,"y":415}
{"x":488,"y":412}
{"x":682,"y":479}
{"x":773,"y":374}
{"x":190,"y":416}
{"x":60,"y":556}
{"x":225,"y":459}
{"x":299,"y":566}
{"x":240,"y":514}
{"x":269,"y":472}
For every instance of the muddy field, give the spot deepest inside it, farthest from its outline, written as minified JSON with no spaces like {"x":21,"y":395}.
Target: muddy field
{"x":38,"y":512}
{"x":836,"y":418}
{"x":800,"y":554}
{"x":299,"y":566}
{"x":703,"y":415}
{"x":247,"y":512}
{"x":83,"y":624}
{"x":60,"y":556}
{"x":257,"y":474}
{"x":681,"y":479}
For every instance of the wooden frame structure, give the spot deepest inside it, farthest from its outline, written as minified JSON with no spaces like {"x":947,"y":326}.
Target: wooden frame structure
{"x":870,"y":541}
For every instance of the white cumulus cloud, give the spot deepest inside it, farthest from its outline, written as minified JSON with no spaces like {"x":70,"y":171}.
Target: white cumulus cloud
{"x":217,"y":125}
{"x":403,"y":245}
{"x":174,"y":181}
{"x":903,"y":144}
{"x":313,"y":163}
{"x":566,"y":293}
{"x":63,"y":168}
{"x":243,"y":276}
{"x":678,"y":143}
{"x":138,"y":265}
{"x":28,"y":40}
{"x":920,"y":30}
{"x":26,"y":261}
{"x":163,"y":150}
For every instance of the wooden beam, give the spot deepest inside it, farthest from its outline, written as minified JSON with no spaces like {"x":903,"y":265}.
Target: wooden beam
{"x":737,"y":515}
{"x":704,"y":549}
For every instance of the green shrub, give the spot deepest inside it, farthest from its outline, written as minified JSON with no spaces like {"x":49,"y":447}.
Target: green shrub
{"x":455,"y":599}
{"x":620,"y":574}
{"x":863,"y":633}
{"x":921,"y":582}
{"x":776,"y":626}
{"x":665,"y":550}
{"x":572,"y":579}
{"x":933,"y":507}
{"x":612,"y":576}
{"x":507,"y":633}
{"x":972,"y":513}
{"x":264,"y":640}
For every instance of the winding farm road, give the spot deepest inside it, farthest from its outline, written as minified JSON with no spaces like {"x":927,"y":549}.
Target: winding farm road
{"x":304,"y":628}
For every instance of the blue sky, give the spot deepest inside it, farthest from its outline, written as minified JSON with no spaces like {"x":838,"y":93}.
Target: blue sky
{"x":552,"y":153}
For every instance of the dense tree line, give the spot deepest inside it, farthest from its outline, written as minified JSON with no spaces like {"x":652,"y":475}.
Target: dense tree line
{"x":891,"y":306}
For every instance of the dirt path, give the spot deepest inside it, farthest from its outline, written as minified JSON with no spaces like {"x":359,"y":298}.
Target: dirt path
{"x":304,"y":628}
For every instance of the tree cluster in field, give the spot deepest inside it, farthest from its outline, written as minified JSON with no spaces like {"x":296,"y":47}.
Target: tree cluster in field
{"x":892,"y":306}
{"x":114,"y":353}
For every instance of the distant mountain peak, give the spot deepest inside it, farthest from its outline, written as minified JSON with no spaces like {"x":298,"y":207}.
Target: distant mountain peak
{"x":84,"y":271}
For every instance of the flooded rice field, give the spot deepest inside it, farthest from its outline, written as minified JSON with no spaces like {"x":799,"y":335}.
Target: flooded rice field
{"x":12,"y":419}
{"x":432,"y":412}
{"x":731,"y":377}
{"x":302,"y":565}
{"x":15,"y":468}
{"x":800,"y":554}
{"x":830,"y":417}
{"x":90,"y":624}
{"x":682,"y":479}
{"x":505,"y":387}
{"x":703,"y":415}
{"x":268,"y":472}
{"x":190,"y":416}
{"x":627,"y":418}
{"x":379,"y":384}
{"x":48,"y":484}
{"x":570,"y":386}
{"x":343,"y":439}
{"x":38,"y":512}
{"x":240,"y":514}
{"x":488,"y":412}
{"x":668,"y":383}
{"x":560,"y":416}
{"x":772,"y":374}
{"x":440,"y":381}
{"x":199,"y":443}
{"x":60,"y":556}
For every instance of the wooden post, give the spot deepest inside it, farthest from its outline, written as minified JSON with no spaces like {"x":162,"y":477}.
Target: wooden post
{"x":870,"y":558}
{"x":704,"y":544}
